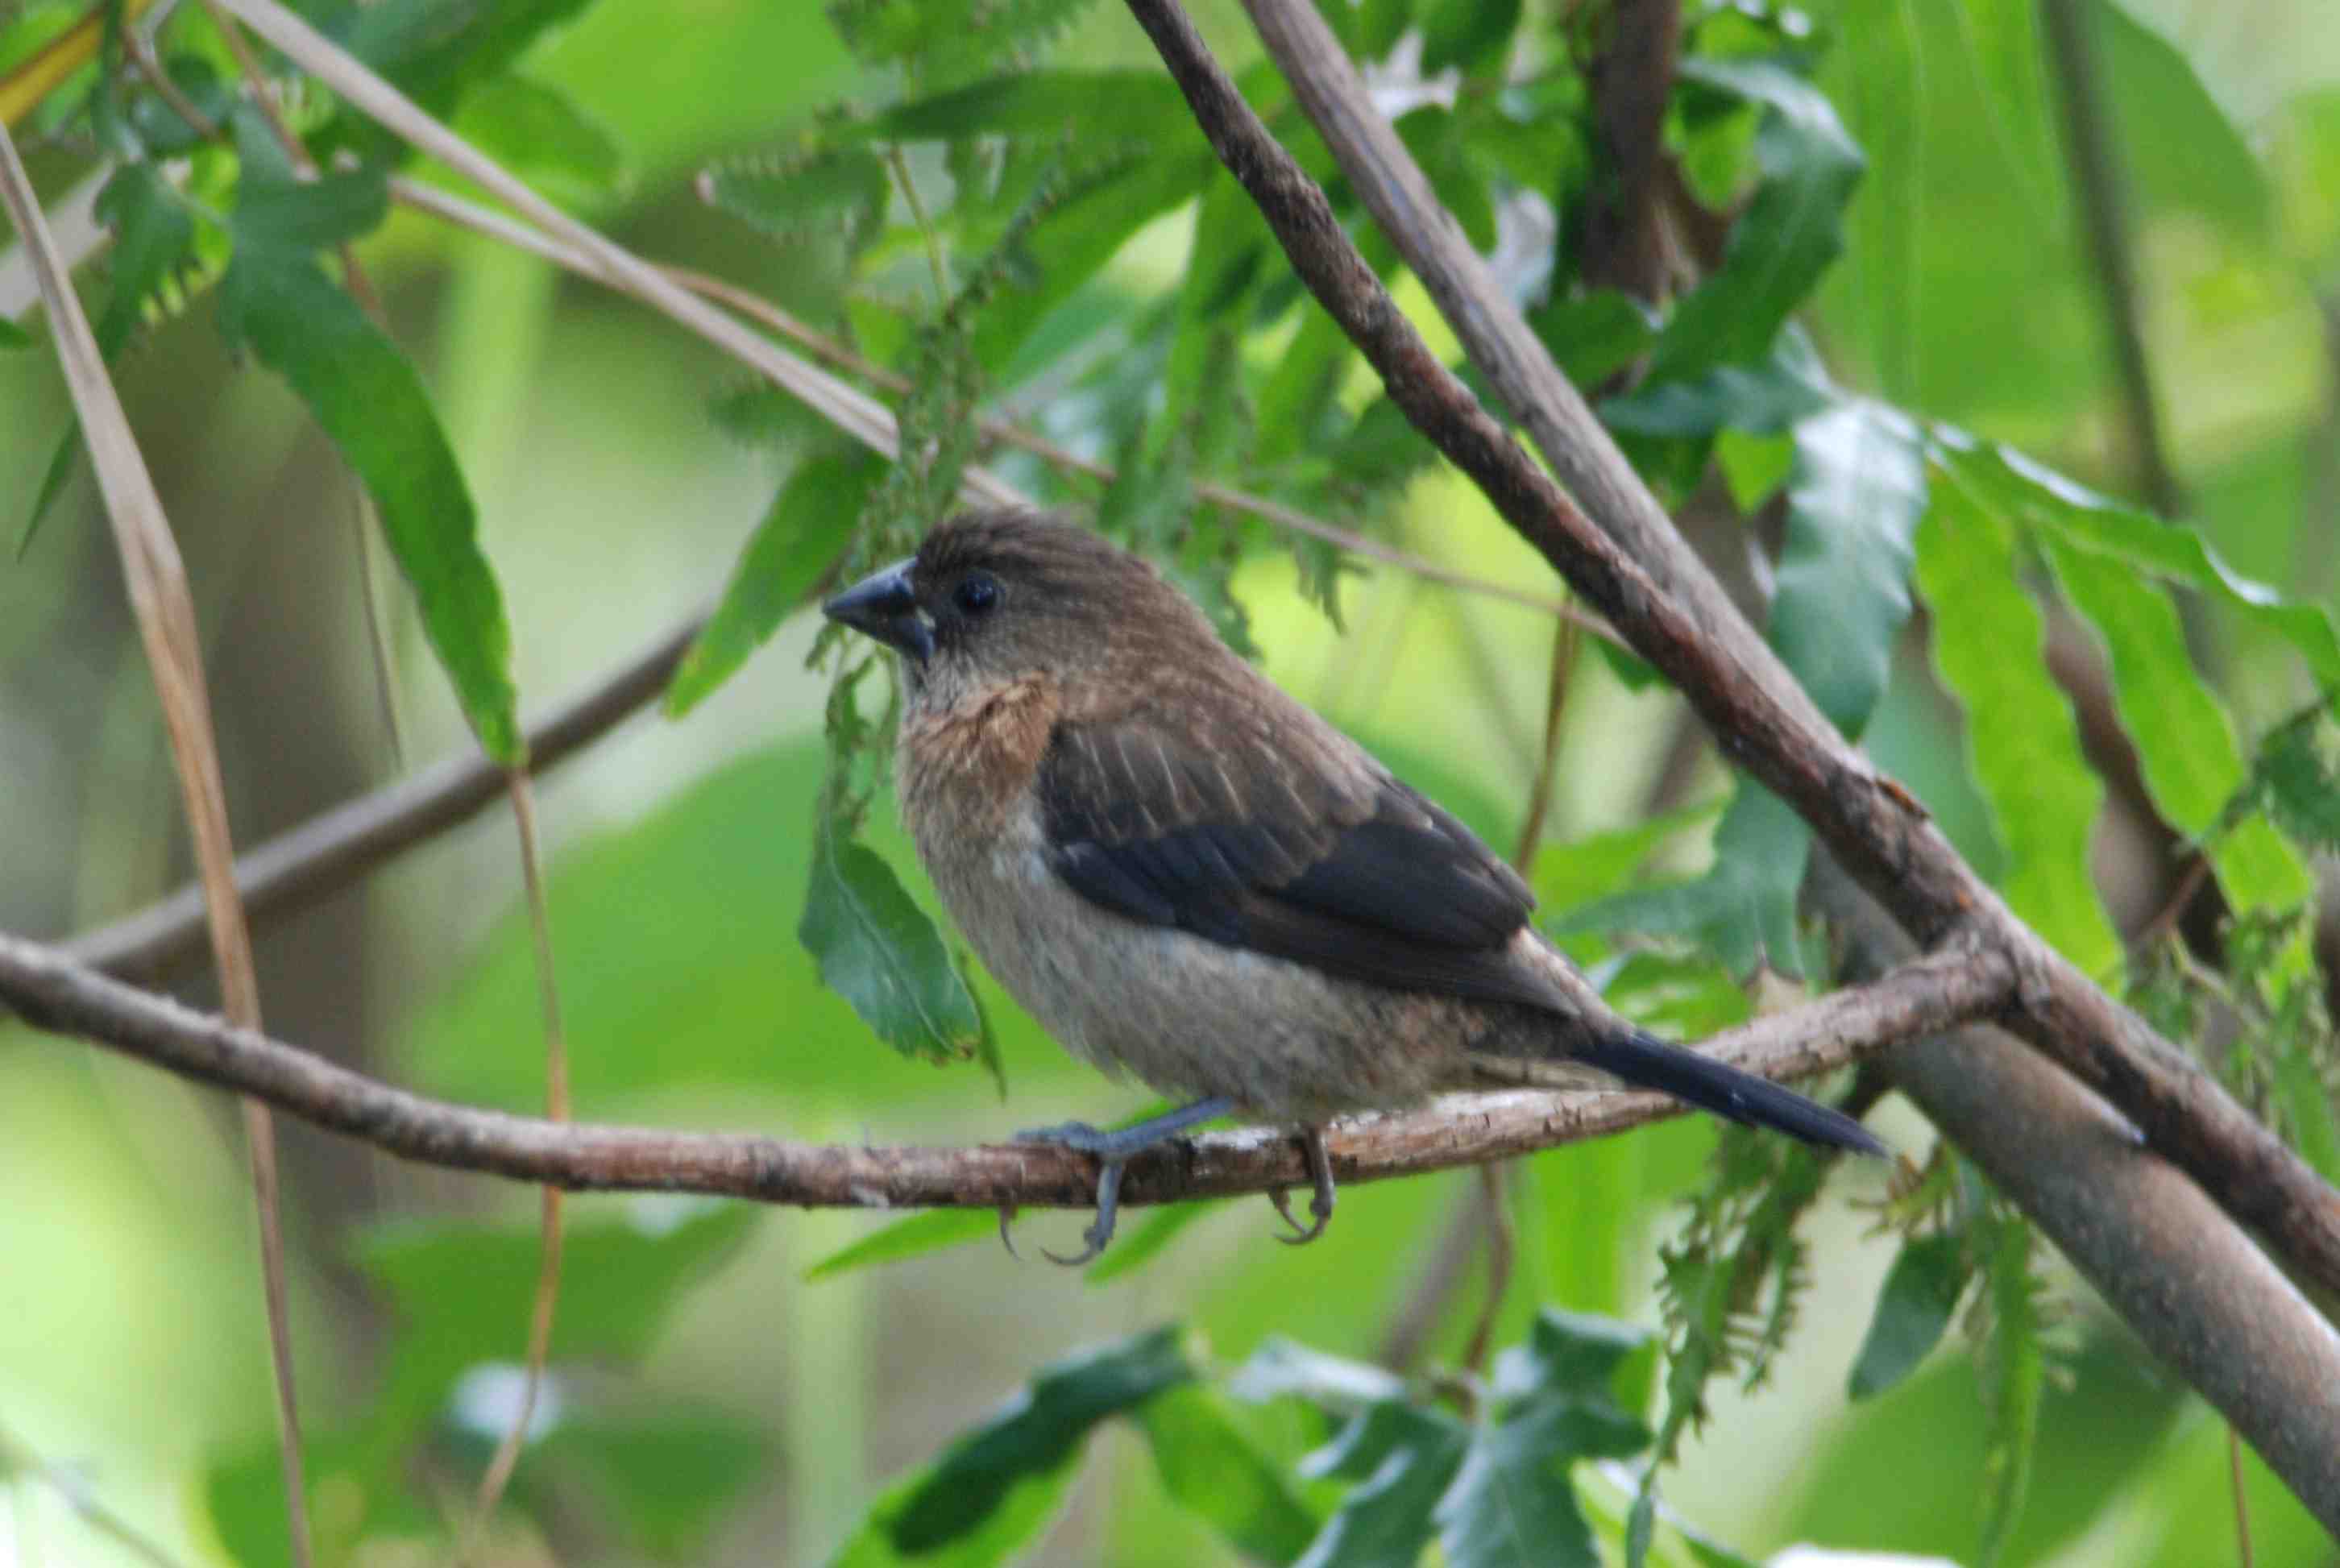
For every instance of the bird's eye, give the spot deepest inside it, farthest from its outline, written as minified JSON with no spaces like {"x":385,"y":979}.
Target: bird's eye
{"x":977,"y":594}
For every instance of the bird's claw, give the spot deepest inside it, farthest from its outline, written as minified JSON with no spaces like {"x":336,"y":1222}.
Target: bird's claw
{"x":1100,"y":1230}
{"x":1320,"y":1202}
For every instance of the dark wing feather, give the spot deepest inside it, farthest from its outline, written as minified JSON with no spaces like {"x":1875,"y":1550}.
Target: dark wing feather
{"x":1305,"y":851}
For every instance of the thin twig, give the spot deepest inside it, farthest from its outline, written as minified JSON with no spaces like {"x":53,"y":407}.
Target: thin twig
{"x":339,"y":846}
{"x":1629,"y":568}
{"x":2096,"y":180}
{"x":1555,"y":706}
{"x":409,"y":192}
{"x":556,"y":1109}
{"x":164,"y":609}
{"x":52,"y":992}
{"x":1502,"y":1248}
{"x":2242,"y":1502}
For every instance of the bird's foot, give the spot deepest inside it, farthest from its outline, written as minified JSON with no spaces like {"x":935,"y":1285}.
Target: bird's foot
{"x":1113,"y":1150}
{"x":1320,"y":1205}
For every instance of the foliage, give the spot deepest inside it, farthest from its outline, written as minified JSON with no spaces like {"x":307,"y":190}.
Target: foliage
{"x":1853,"y":383}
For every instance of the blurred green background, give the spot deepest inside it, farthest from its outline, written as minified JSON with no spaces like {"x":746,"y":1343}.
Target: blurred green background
{"x":130,"y":1349}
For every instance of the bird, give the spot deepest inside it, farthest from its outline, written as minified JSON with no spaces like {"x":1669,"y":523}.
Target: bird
{"x":1186,"y":876}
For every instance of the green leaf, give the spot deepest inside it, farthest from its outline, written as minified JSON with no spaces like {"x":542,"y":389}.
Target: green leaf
{"x":1594,"y":335}
{"x":1214,"y":1471}
{"x":1512,"y":1504}
{"x":2024,"y":492}
{"x":2294,"y":778}
{"x":1743,"y":910}
{"x":964,"y":31}
{"x":912,"y":1235}
{"x":540,"y":133}
{"x":1598,"y":864}
{"x":810,"y":522}
{"x":1914,"y":1306}
{"x":811,"y":193}
{"x":1021,"y":1510}
{"x":1143,"y":1243}
{"x":1789,"y":233}
{"x":2014,"y":1379}
{"x":153,"y":236}
{"x":366,"y":395}
{"x":1280,"y":1369}
{"x":1474,"y":35}
{"x":1110,"y":104}
{"x":436,"y":51}
{"x":1401,"y":1458}
{"x":2022,"y":742}
{"x":2186,"y":748}
{"x":1765,"y":398}
{"x":1036,"y":1433}
{"x":877,"y":950}
{"x":461,"y":1292}
{"x":14,"y":337}
{"x":1854,"y":499}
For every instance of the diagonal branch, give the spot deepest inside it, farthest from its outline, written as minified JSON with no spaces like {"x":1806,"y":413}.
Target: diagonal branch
{"x":54,"y":993}
{"x":1637,"y":573}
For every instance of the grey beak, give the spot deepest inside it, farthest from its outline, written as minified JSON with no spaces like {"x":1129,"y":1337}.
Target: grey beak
{"x":883,"y":605}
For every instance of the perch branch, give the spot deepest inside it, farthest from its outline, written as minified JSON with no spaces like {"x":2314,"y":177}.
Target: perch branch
{"x":2190,"y":1285}
{"x":52,"y":992}
{"x":1673,"y":612}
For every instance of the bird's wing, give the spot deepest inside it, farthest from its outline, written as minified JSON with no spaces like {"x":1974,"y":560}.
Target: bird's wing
{"x":1295,"y":845}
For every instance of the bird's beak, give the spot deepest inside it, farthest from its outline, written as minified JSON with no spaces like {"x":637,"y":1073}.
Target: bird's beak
{"x":882,"y":605}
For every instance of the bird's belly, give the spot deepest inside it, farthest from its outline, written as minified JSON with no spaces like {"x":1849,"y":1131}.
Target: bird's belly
{"x":1189,"y":1016}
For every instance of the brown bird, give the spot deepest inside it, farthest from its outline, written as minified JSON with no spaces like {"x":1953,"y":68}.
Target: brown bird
{"x":1185,"y":875}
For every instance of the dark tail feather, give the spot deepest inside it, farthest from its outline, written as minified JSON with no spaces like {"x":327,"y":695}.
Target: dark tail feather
{"x":1647,"y":1062}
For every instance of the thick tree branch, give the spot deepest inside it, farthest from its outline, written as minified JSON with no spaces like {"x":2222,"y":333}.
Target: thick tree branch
{"x":2189,"y":1284}
{"x":1655,"y":594}
{"x":53,"y":992}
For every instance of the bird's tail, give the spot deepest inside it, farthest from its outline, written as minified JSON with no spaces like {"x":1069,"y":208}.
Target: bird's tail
{"x":1647,"y":1062}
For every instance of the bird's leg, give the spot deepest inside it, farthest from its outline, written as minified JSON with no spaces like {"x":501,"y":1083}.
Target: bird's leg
{"x":1115,"y":1150}
{"x":1320,"y":1205}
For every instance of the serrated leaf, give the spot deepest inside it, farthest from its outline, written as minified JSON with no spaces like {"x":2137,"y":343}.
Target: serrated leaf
{"x":278,"y":212}
{"x":912,"y":1235}
{"x":1512,"y":1504}
{"x":542,"y":134}
{"x":2295,"y":777}
{"x":1021,"y":1511}
{"x":878,"y":949}
{"x":1854,"y":499}
{"x":969,"y":31}
{"x":1212,"y":1471}
{"x":818,"y":191}
{"x":1403,"y":1459}
{"x":1573,"y":1357}
{"x":2021,"y":740}
{"x":1914,"y":1307}
{"x":808,"y":523}
{"x":364,"y":394}
{"x":2039,"y":498}
{"x":2186,"y":748}
{"x":1107,"y":105}
{"x":160,"y":129}
{"x":1766,"y":398}
{"x":1281,"y":1368}
{"x":1789,"y":233}
{"x":2015,"y":1372}
{"x":1035,"y":1434}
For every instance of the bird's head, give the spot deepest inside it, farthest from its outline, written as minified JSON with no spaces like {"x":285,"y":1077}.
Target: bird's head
{"x":998,"y":596}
